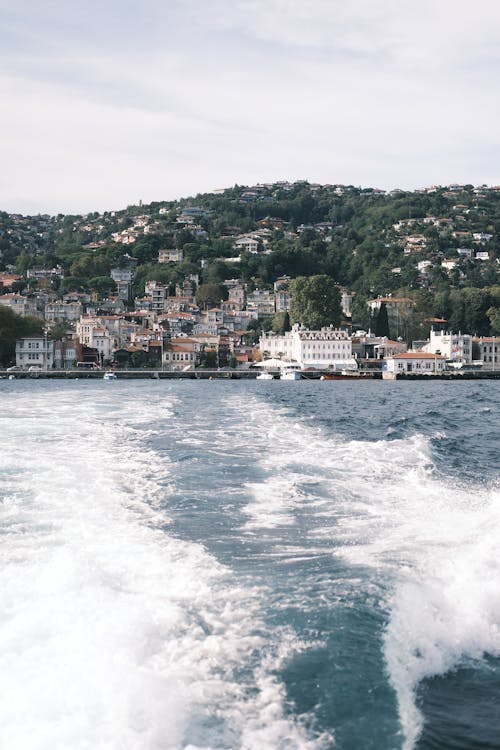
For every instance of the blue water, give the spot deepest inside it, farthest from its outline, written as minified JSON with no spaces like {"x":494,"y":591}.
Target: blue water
{"x":212,"y":565}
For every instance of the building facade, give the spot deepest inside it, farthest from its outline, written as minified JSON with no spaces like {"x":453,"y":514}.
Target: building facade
{"x":328,"y":348}
{"x":420,"y":363}
{"x":489,"y":351}
{"x":63,"y":312}
{"x":454,"y":346}
{"x":36,"y":352}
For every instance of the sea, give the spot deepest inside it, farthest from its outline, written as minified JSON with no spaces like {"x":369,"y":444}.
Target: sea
{"x":249,"y":565}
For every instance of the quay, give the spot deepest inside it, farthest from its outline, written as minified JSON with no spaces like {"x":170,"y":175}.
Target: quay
{"x":251,"y":374}
{"x":201,"y":374}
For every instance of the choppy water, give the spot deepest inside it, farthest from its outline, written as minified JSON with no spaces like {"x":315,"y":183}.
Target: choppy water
{"x":249,"y":566}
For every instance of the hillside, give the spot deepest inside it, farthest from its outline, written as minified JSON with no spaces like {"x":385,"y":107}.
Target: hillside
{"x":439,"y":245}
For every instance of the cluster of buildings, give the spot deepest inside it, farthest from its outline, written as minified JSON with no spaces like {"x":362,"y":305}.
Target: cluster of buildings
{"x":158,"y":329}
{"x":337,"y":349}
{"x":175,"y":341}
{"x":170,"y":330}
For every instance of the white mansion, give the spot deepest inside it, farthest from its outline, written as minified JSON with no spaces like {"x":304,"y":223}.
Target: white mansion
{"x":328,"y":348}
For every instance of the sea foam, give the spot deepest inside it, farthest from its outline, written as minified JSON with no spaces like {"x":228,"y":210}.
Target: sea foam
{"x":114,"y":632}
{"x":430,"y":541}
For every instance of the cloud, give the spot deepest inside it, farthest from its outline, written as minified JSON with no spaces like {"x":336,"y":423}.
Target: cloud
{"x":450,"y":33}
{"x":107,"y":105}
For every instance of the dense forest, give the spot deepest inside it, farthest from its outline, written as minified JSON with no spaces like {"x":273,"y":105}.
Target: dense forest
{"x":439,"y":246}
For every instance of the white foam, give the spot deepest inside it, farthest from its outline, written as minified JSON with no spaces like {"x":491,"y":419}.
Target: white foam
{"x":274,"y":502}
{"x":447,"y":605}
{"x":431,"y":542}
{"x":113,"y":633}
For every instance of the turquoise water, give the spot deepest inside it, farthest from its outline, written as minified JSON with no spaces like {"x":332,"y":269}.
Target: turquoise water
{"x":273,"y":565}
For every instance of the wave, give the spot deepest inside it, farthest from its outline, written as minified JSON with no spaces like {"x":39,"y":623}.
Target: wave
{"x":113,"y":632}
{"x":430,"y":541}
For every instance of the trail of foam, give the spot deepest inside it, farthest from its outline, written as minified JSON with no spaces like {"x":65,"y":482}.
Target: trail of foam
{"x":114,"y":633}
{"x":446,"y":607}
{"x":431,"y":542}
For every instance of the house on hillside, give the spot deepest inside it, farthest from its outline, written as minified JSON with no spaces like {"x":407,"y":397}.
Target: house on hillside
{"x":399,"y":310}
{"x":170,"y":255}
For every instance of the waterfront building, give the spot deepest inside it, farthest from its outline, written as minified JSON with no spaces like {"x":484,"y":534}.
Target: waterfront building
{"x":328,"y":348}
{"x":66,"y":353}
{"x":489,"y":351}
{"x":368,"y":346}
{"x":420,"y":363}
{"x":454,"y":346}
{"x":181,"y":353}
{"x":36,"y":352}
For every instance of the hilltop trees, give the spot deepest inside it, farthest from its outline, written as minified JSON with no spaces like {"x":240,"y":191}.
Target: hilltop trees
{"x":370,"y":242}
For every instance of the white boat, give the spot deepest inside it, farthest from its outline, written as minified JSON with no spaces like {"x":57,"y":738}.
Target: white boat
{"x":290,"y":374}
{"x":284,"y":369}
{"x":109,"y":375}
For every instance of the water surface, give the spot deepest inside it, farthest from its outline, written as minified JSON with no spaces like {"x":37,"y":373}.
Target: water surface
{"x":232,"y":565}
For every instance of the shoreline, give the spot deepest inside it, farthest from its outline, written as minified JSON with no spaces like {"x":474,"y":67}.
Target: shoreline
{"x":238,"y":375}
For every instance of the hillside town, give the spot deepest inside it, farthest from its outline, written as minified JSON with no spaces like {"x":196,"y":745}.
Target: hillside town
{"x":209,"y":282}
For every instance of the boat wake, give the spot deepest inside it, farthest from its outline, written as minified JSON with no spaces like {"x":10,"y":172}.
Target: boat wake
{"x":114,"y":632}
{"x":430,"y":542}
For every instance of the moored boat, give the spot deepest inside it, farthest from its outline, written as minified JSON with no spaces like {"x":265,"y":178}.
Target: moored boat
{"x":290,"y":373}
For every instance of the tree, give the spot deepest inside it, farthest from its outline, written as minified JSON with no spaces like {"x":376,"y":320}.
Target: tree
{"x":101,"y":284}
{"x":209,"y":359}
{"x":382,"y":321}
{"x":59,"y":331}
{"x":211,"y":294}
{"x":360,"y":313}
{"x":24,"y":261}
{"x":13,"y":327}
{"x":493,"y":314}
{"x":476,"y":305}
{"x":315,"y":301}
{"x":281,"y":323}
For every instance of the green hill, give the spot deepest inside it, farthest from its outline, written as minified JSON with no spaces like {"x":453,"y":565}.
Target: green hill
{"x":439,"y":246}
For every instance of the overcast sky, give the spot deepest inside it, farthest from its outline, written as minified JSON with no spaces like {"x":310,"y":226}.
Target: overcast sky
{"x":109,"y":102}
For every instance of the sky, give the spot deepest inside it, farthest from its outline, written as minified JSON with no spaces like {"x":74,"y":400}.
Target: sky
{"x":109,"y":102}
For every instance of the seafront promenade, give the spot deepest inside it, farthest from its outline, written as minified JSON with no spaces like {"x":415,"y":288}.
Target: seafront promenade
{"x":228,"y":374}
